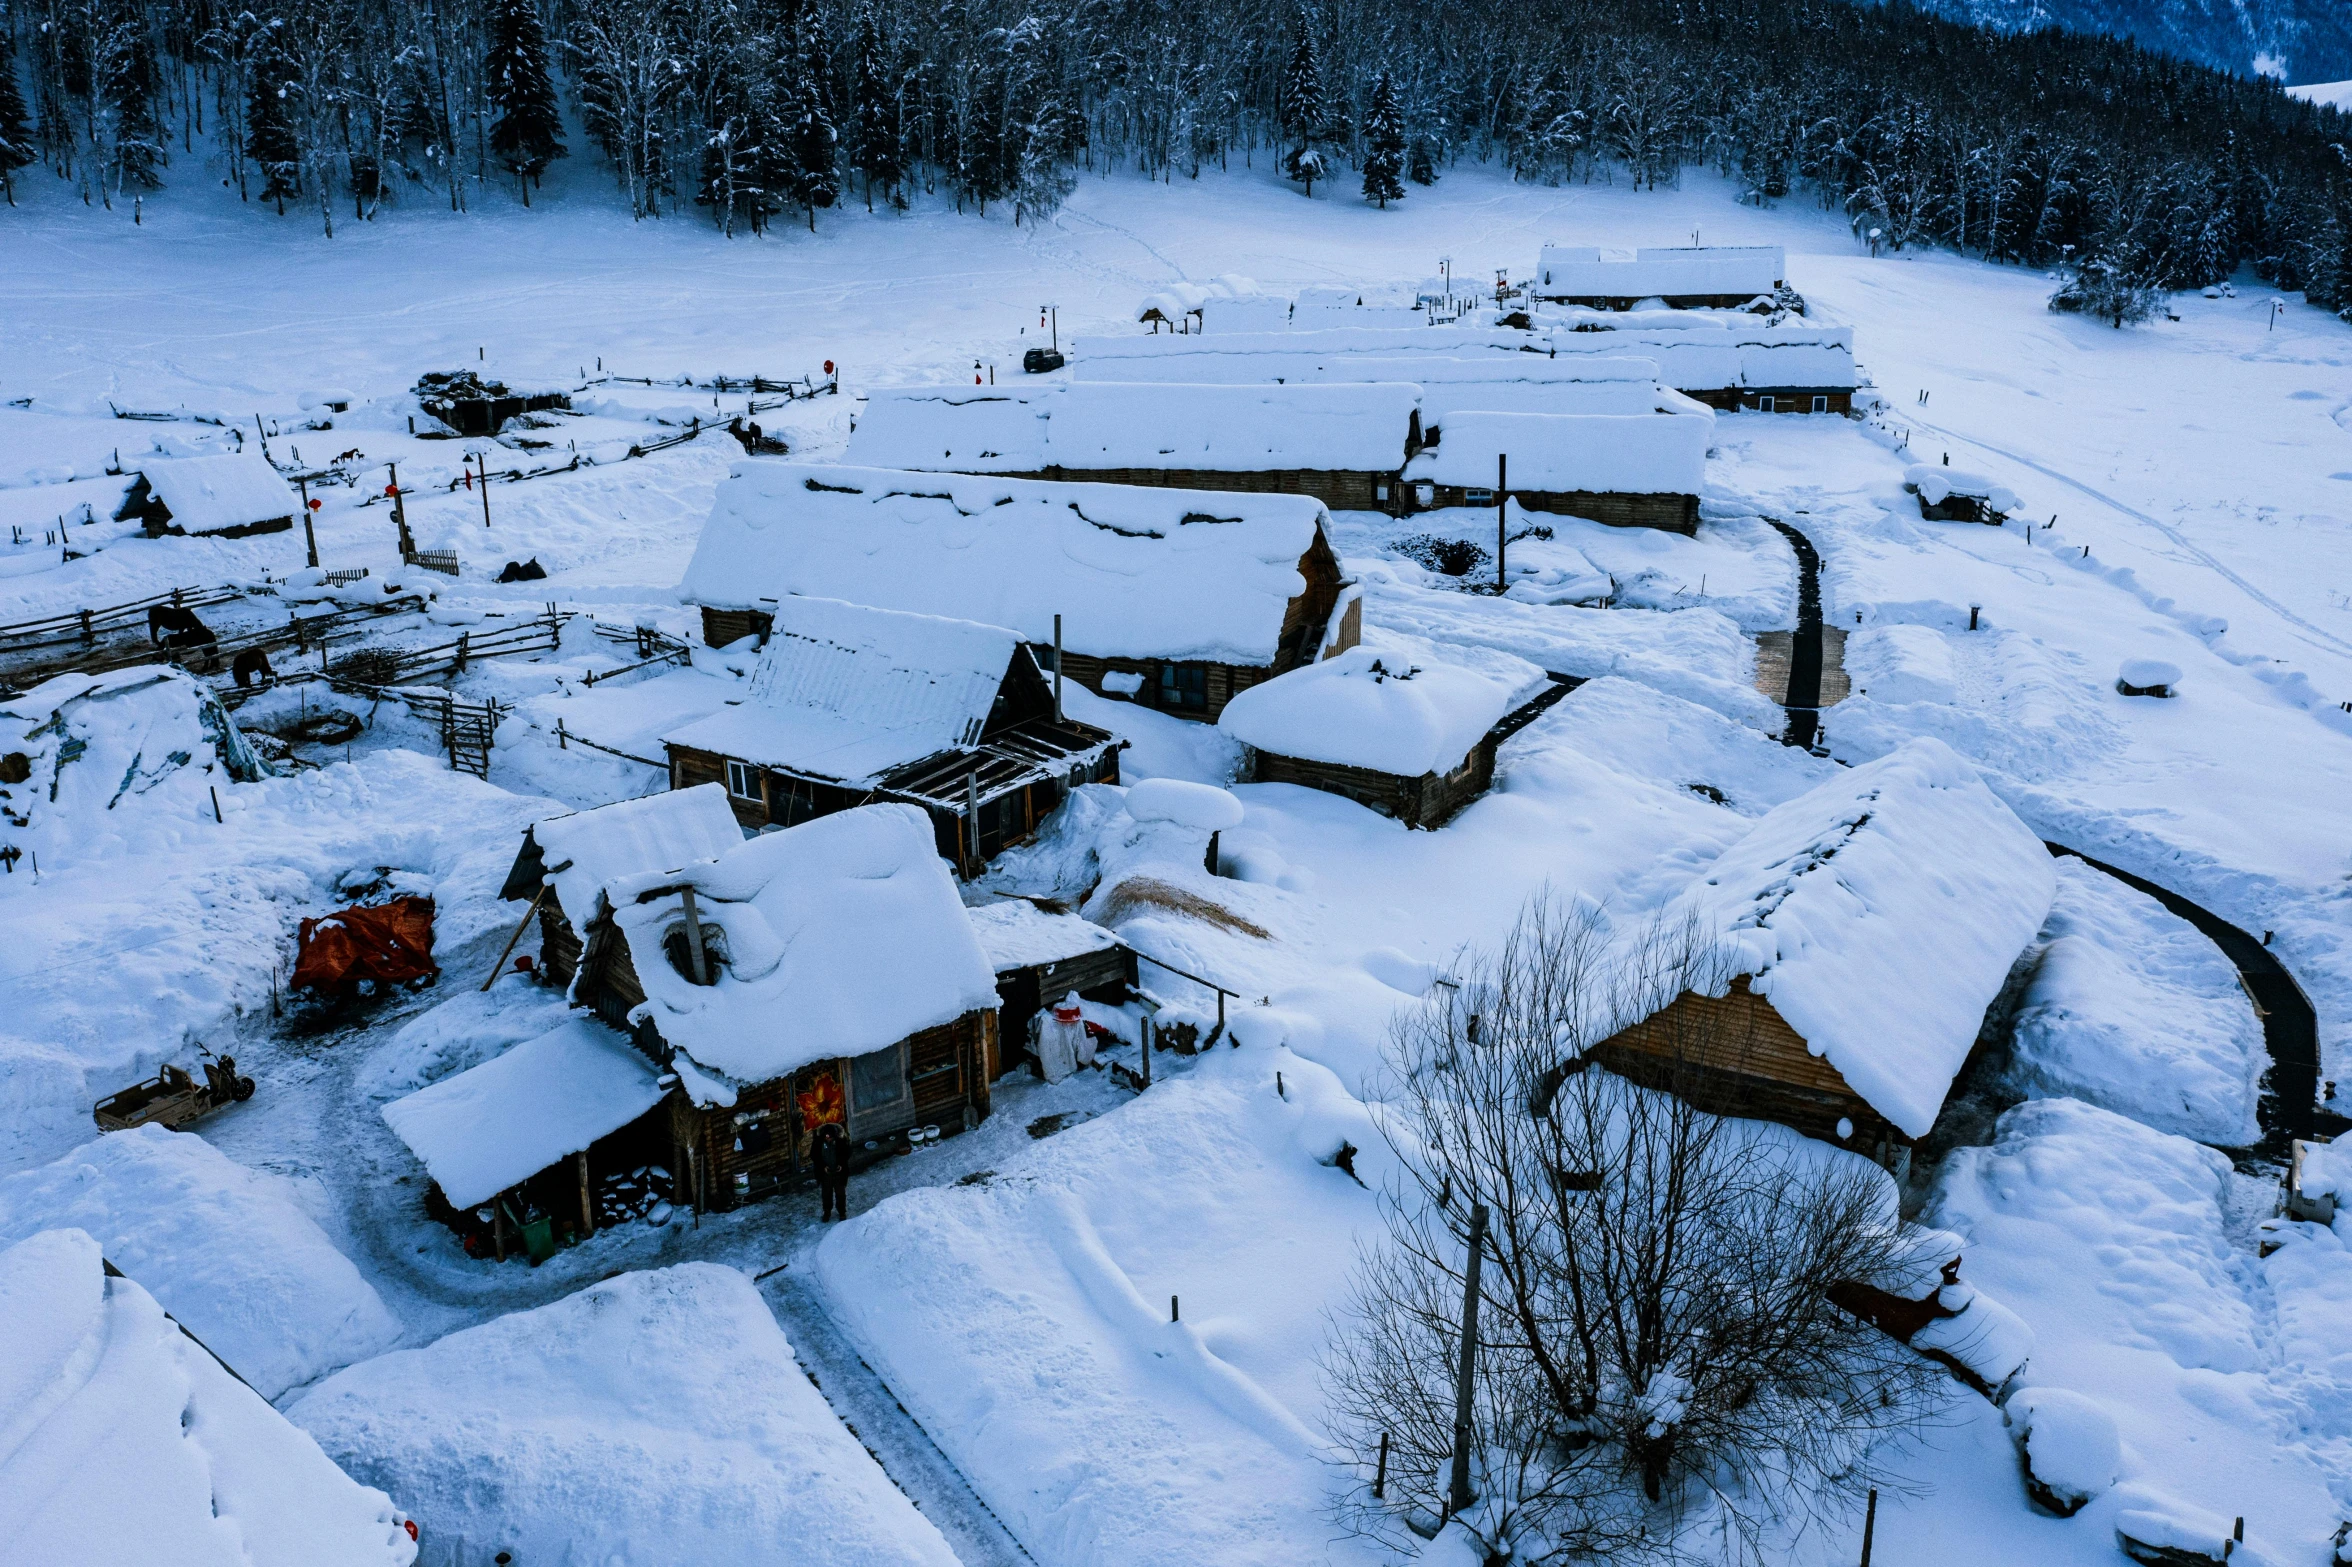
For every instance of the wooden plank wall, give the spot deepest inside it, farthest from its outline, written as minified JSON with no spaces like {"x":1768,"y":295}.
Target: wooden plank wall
{"x":1735,"y":1055}
{"x":1339,"y":489}
{"x":722,"y":626}
{"x":1671,"y":513}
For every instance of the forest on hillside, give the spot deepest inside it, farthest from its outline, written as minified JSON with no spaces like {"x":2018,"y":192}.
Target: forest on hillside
{"x":2047,"y":148}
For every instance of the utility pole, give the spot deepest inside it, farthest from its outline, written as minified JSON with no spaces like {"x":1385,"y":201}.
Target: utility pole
{"x":1459,"y":1498}
{"x":1057,"y":669}
{"x":484,"y":460}
{"x":309,"y":534}
{"x":1502,"y":514}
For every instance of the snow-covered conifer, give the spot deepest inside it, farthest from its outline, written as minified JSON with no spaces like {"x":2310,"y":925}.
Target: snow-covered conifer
{"x":1384,"y":144}
{"x":519,"y":83}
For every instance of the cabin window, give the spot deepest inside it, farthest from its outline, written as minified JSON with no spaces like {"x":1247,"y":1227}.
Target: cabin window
{"x":1478,"y":497}
{"x":743,"y":780}
{"x":877,"y":1083}
{"x":1820,"y":405}
{"x":1766,"y":404}
{"x":1184,"y":688}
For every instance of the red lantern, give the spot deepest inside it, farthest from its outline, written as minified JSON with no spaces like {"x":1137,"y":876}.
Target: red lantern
{"x":828,"y":367}
{"x":316,"y":504}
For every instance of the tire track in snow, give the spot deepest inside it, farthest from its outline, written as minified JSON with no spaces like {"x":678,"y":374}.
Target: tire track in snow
{"x":2333,"y":642}
{"x":877,"y":1419}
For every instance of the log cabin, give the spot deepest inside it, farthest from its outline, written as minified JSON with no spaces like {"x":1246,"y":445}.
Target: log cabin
{"x":849,"y":704}
{"x":1341,"y":443}
{"x":565,"y":862}
{"x":1625,"y":470}
{"x":1039,"y":957}
{"x":1693,"y":277}
{"x":1850,"y":946}
{"x":1410,"y":734}
{"x":1174,"y":599}
{"x":230,"y":496}
{"x":819,"y":973}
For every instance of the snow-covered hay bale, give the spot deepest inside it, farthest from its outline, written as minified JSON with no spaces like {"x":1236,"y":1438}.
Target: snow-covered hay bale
{"x":2147,"y":677}
{"x":123,"y":1440}
{"x":2069,"y":1446}
{"x":1203,"y":807}
{"x":227,"y":1250}
{"x":1956,"y":494}
{"x":2172,"y":1533}
{"x":659,"y":1412}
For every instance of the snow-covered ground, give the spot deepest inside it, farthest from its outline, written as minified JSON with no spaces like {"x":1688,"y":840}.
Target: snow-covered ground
{"x":2198,"y":473}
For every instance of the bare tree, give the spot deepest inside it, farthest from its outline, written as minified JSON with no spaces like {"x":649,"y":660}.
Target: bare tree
{"x":1658,"y":1347}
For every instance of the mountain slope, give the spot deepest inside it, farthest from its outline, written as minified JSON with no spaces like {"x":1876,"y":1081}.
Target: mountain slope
{"x":2296,"y":40}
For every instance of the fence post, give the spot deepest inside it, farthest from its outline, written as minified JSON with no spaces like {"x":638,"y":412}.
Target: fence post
{"x":461,"y":651}
{"x":562,"y":743}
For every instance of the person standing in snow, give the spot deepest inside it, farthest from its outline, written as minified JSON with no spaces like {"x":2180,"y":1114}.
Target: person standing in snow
{"x":831,"y":1157}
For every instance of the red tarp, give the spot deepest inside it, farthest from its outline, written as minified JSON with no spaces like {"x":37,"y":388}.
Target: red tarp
{"x":385,"y":942}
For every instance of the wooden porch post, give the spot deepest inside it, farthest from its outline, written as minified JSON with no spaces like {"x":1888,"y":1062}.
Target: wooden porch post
{"x":587,"y":1207}
{"x":498,"y":1225}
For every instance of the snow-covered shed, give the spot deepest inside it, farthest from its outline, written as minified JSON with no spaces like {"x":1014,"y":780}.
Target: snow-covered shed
{"x":566,"y":861}
{"x":1853,"y":940}
{"x":1040,"y":957}
{"x":1341,"y":443}
{"x":1949,"y":494}
{"x":1685,"y":277}
{"x":535,"y":1127}
{"x":824,"y":972}
{"x":1727,"y":361}
{"x":1174,"y":598}
{"x":227,"y":497}
{"x":1626,"y":470}
{"x":1408,"y":732}
{"x":1178,"y":306}
{"x":954,"y":429}
{"x":849,"y":704}
{"x":127,"y":1441}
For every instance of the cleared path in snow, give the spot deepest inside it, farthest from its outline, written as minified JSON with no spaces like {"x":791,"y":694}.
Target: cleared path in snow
{"x":876,"y":1418}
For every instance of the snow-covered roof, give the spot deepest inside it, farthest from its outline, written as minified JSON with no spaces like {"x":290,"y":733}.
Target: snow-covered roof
{"x":1936,"y":483}
{"x":655,"y":1416}
{"x":486,"y":1128}
{"x":1182,"y":298}
{"x":207,"y":494}
{"x":834,"y":938}
{"x":229,"y":1251}
{"x":1582,"y":272}
{"x":1146,"y":357}
{"x":585,"y":850}
{"x":1222,"y":427}
{"x":964,"y":429}
{"x":1404,"y":708}
{"x":1134,"y":572}
{"x":847,"y":693}
{"x":1245,"y":313}
{"x":1610,"y":454}
{"x":1018,"y":934}
{"x":1880,"y":913}
{"x":126,"y":740}
{"x":123,"y":1440}
{"x":1355,"y":427}
{"x":1746,"y":352}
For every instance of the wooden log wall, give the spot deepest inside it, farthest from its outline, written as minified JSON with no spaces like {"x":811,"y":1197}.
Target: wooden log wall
{"x":1338,"y":489}
{"x":722,"y":626}
{"x":1670,"y":513}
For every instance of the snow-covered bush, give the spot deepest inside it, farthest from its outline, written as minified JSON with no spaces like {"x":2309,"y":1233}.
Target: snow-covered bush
{"x":2108,"y":291}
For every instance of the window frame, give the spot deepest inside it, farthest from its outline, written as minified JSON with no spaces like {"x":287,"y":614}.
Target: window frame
{"x":1175,"y":690}
{"x":1766,"y":403}
{"x":1820,"y":403}
{"x":737,"y":771}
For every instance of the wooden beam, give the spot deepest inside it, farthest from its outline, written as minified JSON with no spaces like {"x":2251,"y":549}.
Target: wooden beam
{"x":587,"y":1203}
{"x":499,"y":967}
{"x":694,"y":937}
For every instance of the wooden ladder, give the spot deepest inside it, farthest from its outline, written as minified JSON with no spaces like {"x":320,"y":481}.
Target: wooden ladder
{"x":466,"y":733}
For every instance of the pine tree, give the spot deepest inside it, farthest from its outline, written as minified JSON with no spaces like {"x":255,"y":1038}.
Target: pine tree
{"x":1384,"y":144}
{"x":138,"y":149}
{"x":16,"y":131}
{"x":269,"y":128}
{"x":518,"y":82}
{"x":876,"y":152}
{"x":1303,"y":111}
{"x":812,"y":160}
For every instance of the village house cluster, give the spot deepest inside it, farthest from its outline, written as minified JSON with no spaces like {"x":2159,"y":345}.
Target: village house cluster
{"x":777,"y":945}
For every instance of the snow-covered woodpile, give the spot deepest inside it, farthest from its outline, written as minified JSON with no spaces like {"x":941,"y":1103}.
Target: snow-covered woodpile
{"x":1948,"y":494}
{"x":849,"y":704}
{"x":1175,"y":598}
{"x":1728,"y":277}
{"x":1852,"y":942}
{"x":1626,"y":470}
{"x":821,"y":973}
{"x":1407,"y":731}
{"x":228,"y":496}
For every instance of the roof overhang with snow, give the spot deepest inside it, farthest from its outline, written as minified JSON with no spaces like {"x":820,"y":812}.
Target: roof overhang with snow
{"x":1601,"y":454}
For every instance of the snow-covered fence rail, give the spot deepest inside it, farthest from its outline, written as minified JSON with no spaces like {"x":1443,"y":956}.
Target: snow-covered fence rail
{"x":790,"y":387}
{"x":83,"y":625}
{"x":653,"y":647}
{"x":565,"y":739}
{"x":540,"y":634}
